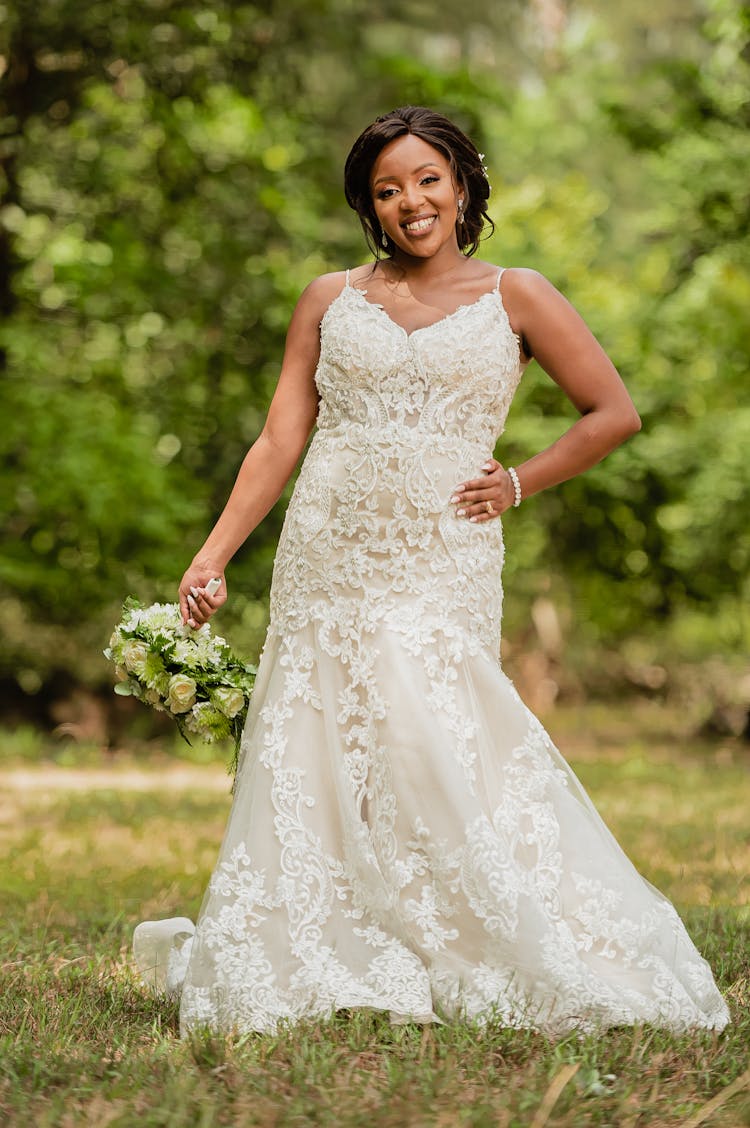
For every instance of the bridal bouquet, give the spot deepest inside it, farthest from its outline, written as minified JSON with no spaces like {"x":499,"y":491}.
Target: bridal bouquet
{"x":191,"y":674}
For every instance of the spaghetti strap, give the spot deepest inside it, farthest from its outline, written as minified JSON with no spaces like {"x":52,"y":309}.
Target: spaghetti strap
{"x":347,"y":283}
{"x":500,"y":273}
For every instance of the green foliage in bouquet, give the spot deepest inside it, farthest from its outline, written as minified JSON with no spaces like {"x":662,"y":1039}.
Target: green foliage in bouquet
{"x":191,"y":674}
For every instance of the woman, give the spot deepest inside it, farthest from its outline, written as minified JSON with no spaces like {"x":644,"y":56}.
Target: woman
{"x":404,"y":836}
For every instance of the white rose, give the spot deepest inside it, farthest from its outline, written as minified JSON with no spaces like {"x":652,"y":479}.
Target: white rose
{"x":153,"y":698}
{"x":134,"y":655}
{"x":230,"y":701}
{"x":181,"y":695}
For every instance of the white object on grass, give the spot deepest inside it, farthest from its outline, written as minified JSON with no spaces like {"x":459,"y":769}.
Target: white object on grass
{"x":161,"y":949}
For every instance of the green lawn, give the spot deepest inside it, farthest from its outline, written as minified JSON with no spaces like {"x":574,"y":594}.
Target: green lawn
{"x":92,"y":847}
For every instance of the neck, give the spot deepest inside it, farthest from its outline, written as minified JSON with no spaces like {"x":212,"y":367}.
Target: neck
{"x":444,"y":261}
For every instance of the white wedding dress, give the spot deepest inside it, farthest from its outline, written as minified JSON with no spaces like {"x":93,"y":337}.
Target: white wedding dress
{"x":404,"y":836}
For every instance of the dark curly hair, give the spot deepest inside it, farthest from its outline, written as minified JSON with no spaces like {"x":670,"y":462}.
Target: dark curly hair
{"x":438,"y":131}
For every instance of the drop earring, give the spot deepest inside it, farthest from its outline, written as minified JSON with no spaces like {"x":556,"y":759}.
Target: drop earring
{"x":460,"y":217}
{"x":384,"y":240}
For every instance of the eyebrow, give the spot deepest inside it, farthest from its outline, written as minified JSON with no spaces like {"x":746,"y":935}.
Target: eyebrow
{"x":427,"y":164}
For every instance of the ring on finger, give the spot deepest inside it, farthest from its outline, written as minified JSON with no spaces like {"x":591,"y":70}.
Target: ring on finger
{"x":490,"y":508}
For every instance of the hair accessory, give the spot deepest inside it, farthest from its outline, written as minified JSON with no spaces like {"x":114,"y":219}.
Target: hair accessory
{"x":484,"y":171}
{"x":516,"y":486}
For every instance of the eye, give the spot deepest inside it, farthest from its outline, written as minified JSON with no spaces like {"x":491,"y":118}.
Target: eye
{"x":385,"y":193}
{"x":429,"y":179}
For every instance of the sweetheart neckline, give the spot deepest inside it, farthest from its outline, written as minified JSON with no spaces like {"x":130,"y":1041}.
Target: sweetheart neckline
{"x":423,"y":328}
{"x":407,"y":337}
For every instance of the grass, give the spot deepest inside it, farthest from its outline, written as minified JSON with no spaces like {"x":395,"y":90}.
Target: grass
{"x":94,"y":844}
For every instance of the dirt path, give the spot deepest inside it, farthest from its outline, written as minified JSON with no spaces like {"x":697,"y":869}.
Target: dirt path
{"x":175,"y":777}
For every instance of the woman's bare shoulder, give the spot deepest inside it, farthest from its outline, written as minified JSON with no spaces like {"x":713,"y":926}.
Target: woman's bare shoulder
{"x":318,"y":294}
{"x":524,"y":280}
{"x":528,"y":295}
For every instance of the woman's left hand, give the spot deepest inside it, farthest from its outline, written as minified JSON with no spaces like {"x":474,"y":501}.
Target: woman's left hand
{"x":481,"y":499}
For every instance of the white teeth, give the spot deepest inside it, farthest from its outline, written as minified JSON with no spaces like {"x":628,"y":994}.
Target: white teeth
{"x":420,"y":224}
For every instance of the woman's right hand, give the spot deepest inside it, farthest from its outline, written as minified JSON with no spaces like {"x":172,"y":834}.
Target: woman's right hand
{"x":196,"y":605}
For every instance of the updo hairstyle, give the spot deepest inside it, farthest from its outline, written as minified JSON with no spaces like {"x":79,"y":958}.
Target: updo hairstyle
{"x":438,"y":131}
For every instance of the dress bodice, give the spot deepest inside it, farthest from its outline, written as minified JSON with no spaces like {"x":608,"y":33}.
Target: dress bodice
{"x":454,"y":378}
{"x":404,"y":417}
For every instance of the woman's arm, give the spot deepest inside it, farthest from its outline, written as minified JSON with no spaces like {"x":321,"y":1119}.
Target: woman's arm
{"x":269,"y":463}
{"x":558,"y":338}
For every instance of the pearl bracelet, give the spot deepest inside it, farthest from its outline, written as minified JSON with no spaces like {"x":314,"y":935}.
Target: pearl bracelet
{"x":516,"y":486}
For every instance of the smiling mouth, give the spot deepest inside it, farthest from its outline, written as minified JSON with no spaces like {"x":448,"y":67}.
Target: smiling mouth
{"x":418,"y":225}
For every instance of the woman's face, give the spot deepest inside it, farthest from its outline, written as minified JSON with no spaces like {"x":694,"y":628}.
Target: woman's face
{"x":415,"y":196}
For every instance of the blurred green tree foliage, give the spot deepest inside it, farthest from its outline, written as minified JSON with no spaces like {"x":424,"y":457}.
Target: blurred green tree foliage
{"x":637,"y":205}
{"x":172,"y":180}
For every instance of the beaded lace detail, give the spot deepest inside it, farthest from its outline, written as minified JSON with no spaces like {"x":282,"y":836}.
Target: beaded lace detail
{"x":404,"y":835}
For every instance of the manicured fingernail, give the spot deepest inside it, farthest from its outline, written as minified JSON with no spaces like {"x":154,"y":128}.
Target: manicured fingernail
{"x":460,"y":512}
{"x":487,"y":466}
{"x":473,"y":518}
{"x":194,"y":590}
{"x":455,"y":498}
{"x":190,"y":599}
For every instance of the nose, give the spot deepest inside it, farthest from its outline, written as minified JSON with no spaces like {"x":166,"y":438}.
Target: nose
{"x":411,"y":195}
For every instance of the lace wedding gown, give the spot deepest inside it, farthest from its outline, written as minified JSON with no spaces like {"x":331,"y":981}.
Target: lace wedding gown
{"x":404,"y":835}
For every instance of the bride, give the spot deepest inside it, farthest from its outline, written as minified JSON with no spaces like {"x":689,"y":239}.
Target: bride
{"x":404,"y":836}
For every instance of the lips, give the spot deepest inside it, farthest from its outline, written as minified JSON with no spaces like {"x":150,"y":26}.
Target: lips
{"x":419,"y":224}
